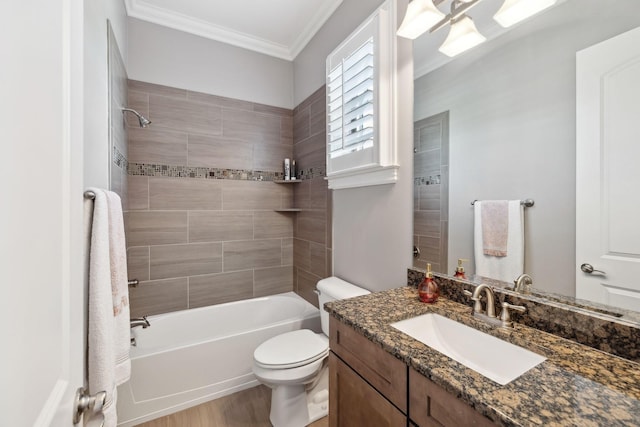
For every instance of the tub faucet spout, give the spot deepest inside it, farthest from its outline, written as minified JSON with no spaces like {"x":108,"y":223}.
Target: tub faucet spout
{"x":140,"y":321}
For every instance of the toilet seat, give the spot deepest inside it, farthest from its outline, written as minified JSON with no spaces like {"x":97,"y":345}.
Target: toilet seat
{"x":291,"y":350}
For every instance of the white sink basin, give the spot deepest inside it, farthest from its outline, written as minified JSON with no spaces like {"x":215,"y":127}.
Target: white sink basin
{"x":494,"y":358}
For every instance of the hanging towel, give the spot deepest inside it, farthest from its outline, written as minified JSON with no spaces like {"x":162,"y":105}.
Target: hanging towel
{"x":495,"y":227}
{"x":109,"y":333}
{"x":505,"y":268}
{"x":119,"y":288}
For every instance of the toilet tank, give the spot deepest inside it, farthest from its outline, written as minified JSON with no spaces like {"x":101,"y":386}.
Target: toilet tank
{"x":331,"y":289}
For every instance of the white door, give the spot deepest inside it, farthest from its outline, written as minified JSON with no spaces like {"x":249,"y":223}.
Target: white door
{"x":41,"y":244}
{"x":608,"y":171}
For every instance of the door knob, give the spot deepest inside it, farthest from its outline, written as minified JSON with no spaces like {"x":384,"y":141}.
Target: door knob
{"x":87,"y":403}
{"x":588,"y":268}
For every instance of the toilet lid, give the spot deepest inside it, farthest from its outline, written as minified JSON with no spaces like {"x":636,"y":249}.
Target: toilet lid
{"x":291,"y":349}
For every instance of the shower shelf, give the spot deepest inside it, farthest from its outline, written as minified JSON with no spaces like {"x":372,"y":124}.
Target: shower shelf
{"x":287,"y":181}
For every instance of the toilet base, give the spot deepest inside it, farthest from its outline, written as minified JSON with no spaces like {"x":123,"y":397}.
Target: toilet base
{"x":299,"y":405}
{"x":318,"y":397}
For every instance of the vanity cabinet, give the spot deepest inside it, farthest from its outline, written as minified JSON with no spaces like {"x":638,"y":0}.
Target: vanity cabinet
{"x":352,"y":401}
{"x":431,"y":405}
{"x":370,"y":387}
{"x":367,"y":385}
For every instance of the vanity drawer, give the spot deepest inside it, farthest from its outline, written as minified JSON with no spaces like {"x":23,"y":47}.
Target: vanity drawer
{"x":431,"y":405}
{"x":384,"y":372}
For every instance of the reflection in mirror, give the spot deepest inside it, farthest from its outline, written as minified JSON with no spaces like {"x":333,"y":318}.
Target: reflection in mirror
{"x":430,"y":191}
{"x":512,"y":127}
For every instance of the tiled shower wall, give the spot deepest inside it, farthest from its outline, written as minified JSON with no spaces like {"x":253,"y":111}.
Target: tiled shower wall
{"x":312,"y":236}
{"x":202,"y":226}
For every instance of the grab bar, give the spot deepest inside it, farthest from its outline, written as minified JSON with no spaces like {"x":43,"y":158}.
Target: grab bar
{"x":133,"y":283}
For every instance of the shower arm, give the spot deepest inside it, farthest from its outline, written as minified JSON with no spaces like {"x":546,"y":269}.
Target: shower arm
{"x":144,"y":122}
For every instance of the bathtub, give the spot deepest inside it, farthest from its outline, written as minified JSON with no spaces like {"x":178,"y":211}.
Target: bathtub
{"x":189,"y":357}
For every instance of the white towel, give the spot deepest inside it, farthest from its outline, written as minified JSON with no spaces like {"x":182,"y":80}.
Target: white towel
{"x":119,"y":288}
{"x":109,"y":333}
{"x":509,"y":267}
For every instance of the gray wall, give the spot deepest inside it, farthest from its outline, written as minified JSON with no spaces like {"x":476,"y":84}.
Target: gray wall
{"x":309,"y":65}
{"x":173,"y":58}
{"x":372,"y":226}
{"x":512,"y":129}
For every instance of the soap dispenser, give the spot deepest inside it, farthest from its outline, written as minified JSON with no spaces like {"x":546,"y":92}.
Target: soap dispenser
{"x":428,"y":290}
{"x":460,"y":269}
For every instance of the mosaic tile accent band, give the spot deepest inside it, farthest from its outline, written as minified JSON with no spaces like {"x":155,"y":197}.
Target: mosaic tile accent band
{"x":119,"y":159}
{"x":144,"y":169}
{"x":426,"y":180}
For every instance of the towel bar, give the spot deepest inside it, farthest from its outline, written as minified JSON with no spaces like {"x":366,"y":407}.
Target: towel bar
{"x":527,"y":203}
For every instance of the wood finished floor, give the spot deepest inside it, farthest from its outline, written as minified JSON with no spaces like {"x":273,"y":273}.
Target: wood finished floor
{"x":247,"y":408}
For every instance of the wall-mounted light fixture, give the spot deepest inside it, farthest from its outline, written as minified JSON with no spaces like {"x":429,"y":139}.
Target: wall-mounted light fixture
{"x":514,"y":11}
{"x":423,"y":15}
{"x":144,"y":122}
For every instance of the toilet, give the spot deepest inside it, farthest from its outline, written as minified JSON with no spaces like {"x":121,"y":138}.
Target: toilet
{"x":294,"y":364}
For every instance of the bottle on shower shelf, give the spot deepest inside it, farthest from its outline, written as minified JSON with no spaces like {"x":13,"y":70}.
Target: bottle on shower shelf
{"x":287,"y":169}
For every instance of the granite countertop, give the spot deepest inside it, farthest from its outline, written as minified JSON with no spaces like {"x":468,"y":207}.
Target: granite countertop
{"x":576,"y":386}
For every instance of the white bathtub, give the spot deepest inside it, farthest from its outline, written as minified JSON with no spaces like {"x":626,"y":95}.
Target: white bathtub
{"x":189,"y":357}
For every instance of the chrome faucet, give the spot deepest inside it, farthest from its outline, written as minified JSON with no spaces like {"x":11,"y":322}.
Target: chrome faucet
{"x":523,"y":284}
{"x":140,"y":321}
{"x":490,"y":314}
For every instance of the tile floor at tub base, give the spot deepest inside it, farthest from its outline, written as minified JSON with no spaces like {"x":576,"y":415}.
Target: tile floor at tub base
{"x":245,"y":408}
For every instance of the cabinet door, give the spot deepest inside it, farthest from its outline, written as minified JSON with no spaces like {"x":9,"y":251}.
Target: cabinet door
{"x":353,"y":402}
{"x":431,"y":405}
{"x":384,"y":372}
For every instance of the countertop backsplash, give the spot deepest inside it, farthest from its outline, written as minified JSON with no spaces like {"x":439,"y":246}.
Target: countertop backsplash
{"x":617,"y":333}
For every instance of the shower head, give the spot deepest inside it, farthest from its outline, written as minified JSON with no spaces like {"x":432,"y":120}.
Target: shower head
{"x":144,"y":122}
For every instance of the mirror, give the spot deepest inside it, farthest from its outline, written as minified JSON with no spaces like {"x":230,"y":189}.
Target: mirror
{"x":511,"y":105}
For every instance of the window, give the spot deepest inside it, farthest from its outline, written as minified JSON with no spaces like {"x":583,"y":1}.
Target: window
{"x":360,"y":141}
{"x":350,"y":105}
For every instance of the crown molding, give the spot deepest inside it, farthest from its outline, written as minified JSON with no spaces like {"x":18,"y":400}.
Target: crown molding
{"x":144,"y":11}
{"x":314,"y":26}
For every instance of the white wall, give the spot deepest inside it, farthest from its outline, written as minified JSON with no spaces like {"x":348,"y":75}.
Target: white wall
{"x":512,"y":129}
{"x":372,"y":226}
{"x":174,"y":58}
{"x":96,"y":84}
{"x":309,"y":65}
